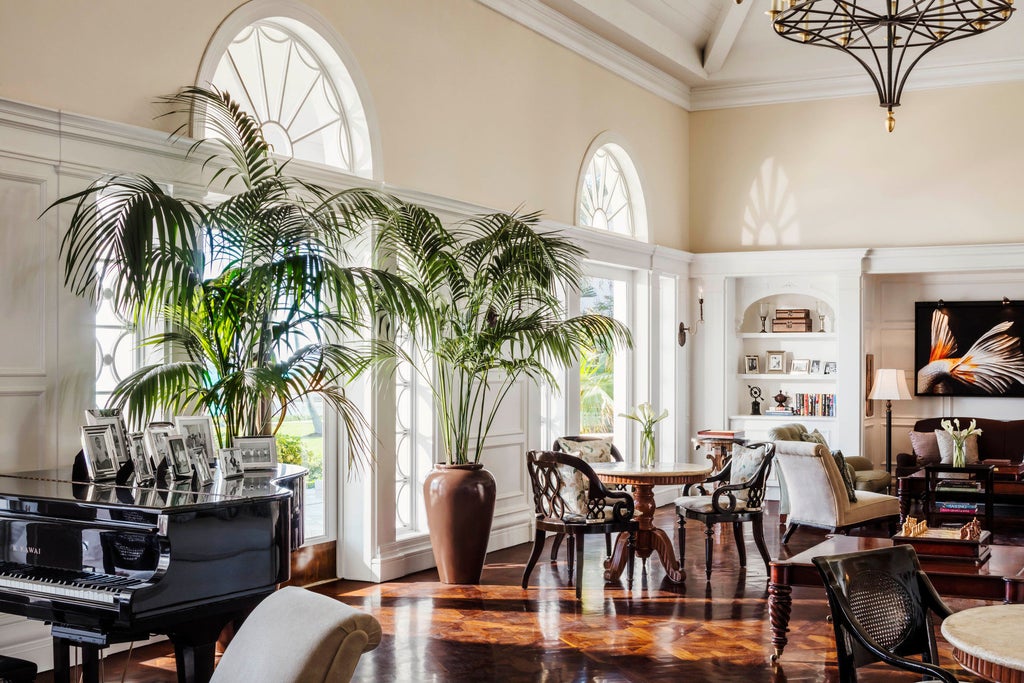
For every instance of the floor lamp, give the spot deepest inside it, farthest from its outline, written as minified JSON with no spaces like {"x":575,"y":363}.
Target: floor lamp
{"x":890,"y":385}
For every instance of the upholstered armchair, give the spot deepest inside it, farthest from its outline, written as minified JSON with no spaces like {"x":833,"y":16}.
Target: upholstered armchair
{"x":865,"y":476}
{"x":824,"y":500}
{"x":298,"y":636}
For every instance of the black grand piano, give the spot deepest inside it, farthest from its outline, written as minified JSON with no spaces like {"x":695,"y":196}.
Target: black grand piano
{"x":105,"y":563}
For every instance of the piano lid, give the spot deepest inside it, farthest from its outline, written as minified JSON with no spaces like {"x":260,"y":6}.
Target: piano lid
{"x":58,"y":485}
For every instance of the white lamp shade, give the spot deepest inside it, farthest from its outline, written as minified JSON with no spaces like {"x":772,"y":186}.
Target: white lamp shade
{"x":890,"y":385}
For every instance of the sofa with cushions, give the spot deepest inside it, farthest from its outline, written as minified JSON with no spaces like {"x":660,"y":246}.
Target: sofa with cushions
{"x":999,"y":440}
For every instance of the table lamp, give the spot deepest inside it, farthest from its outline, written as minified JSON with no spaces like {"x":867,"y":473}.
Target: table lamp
{"x":890,"y":385}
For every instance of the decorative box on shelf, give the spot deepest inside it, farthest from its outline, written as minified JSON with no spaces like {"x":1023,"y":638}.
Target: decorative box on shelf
{"x":792,"y":320}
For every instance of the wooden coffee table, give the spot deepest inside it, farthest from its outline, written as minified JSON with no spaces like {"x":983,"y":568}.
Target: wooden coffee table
{"x":1001,"y":578}
{"x":649,"y":538}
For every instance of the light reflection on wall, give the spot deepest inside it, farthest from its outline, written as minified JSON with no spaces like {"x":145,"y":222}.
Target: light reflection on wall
{"x":769,"y":218}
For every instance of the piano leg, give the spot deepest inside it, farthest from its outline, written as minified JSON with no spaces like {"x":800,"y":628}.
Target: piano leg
{"x":194,"y":650}
{"x":61,"y":661}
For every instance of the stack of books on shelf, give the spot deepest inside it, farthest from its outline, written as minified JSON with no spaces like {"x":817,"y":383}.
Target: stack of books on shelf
{"x":816,"y":405}
{"x":958,"y":507}
{"x":787,"y":411}
{"x":957,"y":486}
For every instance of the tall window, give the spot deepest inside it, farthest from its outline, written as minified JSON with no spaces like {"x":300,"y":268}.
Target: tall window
{"x":290,"y":74}
{"x":290,"y":79}
{"x":605,"y":385}
{"x":609,"y":196}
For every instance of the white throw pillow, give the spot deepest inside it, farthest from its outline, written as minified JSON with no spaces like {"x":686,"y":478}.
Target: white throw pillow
{"x":945,"y":441}
{"x":575,"y":486}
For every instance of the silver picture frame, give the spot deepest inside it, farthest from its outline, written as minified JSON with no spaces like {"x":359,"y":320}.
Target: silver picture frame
{"x":258,"y":452}
{"x":156,"y":434}
{"x":144,"y":471}
{"x":100,"y":452}
{"x":202,"y":468}
{"x":179,"y":463}
{"x":229,"y":460}
{"x":113,"y":417}
{"x":199,"y":434}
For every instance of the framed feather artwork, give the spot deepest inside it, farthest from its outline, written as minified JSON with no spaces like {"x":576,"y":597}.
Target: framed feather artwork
{"x":968,"y":348}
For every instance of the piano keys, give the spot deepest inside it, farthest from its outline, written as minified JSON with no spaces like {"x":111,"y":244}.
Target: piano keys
{"x":105,"y":563}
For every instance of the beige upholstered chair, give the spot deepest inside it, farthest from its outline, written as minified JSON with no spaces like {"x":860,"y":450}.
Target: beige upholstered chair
{"x":865,"y":476}
{"x":823,"y":501}
{"x":298,"y":636}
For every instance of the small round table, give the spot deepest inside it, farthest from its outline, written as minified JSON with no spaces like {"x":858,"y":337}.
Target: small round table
{"x":649,"y":538}
{"x":986,"y":641}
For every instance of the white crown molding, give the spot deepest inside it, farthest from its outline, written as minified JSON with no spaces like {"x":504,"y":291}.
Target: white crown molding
{"x":555,"y":26}
{"x":804,"y":261}
{"x":831,"y":87}
{"x":964,"y":258}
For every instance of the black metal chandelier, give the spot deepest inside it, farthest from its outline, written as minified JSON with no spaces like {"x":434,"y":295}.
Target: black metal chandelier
{"x":886,"y":37}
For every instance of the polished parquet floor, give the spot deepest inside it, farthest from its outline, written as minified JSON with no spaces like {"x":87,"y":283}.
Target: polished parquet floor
{"x":700,"y":631}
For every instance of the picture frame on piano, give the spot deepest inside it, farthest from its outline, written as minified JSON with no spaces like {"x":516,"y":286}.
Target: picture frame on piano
{"x":179,"y":462}
{"x":258,"y":452}
{"x":100,"y":452}
{"x":144,"y":471}
{"x":202,"y":468}
{"x":156,"y":434}
{"x":112,"y":416}
{"x":230,"y":463}
{"x":198,"y":433}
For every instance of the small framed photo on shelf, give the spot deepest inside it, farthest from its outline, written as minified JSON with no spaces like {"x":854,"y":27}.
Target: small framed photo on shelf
{"x":156,"y":434}
{"x":140,"y":461}
{"x":230,"y":463}
{"x":815,"y":367}
{"x":830,"y":367}
{"x":203,"y":474}
{"x":113,"y":417}
{"x":257,"y":452}
{"x":775,"y":362}
{"x":198,"y":433}
{"x":800,"y":366}
{"x":751,"y":364}
{"x":100,"y":451}
{"x":179,"y":463}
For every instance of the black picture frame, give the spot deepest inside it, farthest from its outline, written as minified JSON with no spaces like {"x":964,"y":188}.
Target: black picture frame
{"x":968,"y":323}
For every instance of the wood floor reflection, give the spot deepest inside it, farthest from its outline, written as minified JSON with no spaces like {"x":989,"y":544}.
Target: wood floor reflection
{"x":701,"y":631}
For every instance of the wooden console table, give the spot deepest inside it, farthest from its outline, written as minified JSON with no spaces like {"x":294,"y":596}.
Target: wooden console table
{"x":1001,"y":578}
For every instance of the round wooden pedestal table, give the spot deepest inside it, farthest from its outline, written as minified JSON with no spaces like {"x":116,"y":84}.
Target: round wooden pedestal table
{"x":649,"y":538}
{"x":986,"y":641}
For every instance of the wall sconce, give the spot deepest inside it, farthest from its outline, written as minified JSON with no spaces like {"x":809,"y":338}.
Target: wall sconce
{"x":683,"y":329}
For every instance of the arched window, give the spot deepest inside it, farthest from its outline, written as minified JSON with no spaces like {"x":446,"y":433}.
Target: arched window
{"x":294,"y":80}
{"x":609,"y":196}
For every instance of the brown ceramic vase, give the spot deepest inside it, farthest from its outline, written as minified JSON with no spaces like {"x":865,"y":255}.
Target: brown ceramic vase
{"x":460,"y":506}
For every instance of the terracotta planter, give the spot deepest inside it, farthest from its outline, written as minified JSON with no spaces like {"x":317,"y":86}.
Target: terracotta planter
{"x":460,"y":506}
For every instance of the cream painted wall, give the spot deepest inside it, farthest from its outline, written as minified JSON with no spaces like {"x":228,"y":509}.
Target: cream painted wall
{"x":826,"y":174}
{"x":471,"y":105}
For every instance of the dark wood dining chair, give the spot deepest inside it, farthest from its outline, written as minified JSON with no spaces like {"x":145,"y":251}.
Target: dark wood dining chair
{"x":600,"y":510}
{"x":557,"y":543}
{"x":734,"y":495}
{"x":880,"y":601}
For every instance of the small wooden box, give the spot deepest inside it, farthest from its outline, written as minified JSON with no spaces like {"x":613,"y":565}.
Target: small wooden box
{"x":793,"y":313}
{"x":791,"y":325}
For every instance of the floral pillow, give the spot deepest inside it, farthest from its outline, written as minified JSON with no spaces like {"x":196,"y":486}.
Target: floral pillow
{"x":814,"y":437}
{"x":745,"y":462}
{"x":575,"y":486}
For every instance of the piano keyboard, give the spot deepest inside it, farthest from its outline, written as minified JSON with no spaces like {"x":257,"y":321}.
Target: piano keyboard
{"x":86,"y":587}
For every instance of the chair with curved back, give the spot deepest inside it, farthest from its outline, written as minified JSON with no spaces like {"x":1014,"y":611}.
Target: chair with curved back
{"x":738,"y":499}
{"x":594,"y":509}
{"x":298,"y":636}
{"x":880,"y":601}
{"x":557,"y":542}
{"x":825,"y":500}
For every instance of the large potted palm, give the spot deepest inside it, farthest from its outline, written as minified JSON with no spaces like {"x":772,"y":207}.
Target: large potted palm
{"x":251,"y":294}
{"x":493,"y":316}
